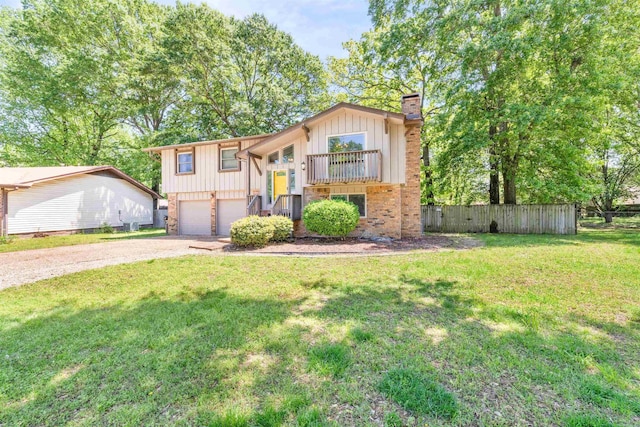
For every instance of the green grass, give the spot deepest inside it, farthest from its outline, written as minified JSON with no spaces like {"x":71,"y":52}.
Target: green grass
{"x":13,"y":244}
{"x":418,"y":393}
{"x":630,"y":222}
{"x":527,"y":330}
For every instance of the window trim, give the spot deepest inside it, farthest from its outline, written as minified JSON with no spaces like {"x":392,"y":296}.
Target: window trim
{"x":293,"y":154}
{"x":192,"y":151}
{"x":366,"y":209}
{"x":277,"y":162}
{"x":228,"y":147}
{"x":364,"y":146}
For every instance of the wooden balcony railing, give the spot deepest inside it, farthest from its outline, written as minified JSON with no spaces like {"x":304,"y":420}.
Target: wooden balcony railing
{"x":289,"y":205}
{"x":254,"y":206}
{"x":349,"y":166}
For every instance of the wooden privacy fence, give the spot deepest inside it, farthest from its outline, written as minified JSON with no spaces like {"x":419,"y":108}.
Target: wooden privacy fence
{"x":517,"y":219}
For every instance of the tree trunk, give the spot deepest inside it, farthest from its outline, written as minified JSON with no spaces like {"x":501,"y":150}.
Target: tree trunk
{"x":494,"y":174}
{"x":509,"y":183}
{"x":608,"y":217}
{"x":428,"y":177}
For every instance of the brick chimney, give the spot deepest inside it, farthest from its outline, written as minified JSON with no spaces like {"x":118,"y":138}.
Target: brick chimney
{"x":411,"y":106}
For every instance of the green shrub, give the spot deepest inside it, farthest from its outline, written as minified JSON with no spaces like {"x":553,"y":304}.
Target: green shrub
{"x":106,"y":228}
{"x":331,"y":217}
{"x":282,"y":227}
{"x":417,"y":393}
{"x":252,"y":231}
{"x":5,"y":240}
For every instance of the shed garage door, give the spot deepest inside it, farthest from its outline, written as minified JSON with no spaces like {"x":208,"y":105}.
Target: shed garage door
{"x":194,"y":218}
{"x":228,"y":211}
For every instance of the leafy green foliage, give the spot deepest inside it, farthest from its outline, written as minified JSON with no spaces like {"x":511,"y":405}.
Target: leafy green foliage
{"x":253,"y":230}
{"x":330,"y":359}
{"x":418,"y":393}
{"x":93,"y":84}
{"x":335,"y":218}
{"x":282,"y":227}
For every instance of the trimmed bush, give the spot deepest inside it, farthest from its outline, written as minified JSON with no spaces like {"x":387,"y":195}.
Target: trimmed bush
{"x":282,"y":227}
{"x":252,"y":231}
{"x":335,"y":218}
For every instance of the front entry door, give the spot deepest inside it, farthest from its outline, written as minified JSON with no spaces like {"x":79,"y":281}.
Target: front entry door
{"x":279,"y":183}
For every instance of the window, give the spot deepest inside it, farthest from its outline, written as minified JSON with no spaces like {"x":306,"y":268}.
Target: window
{"x":360,"y":200}
{"x":269,"y":188}
{"x":228,"y":161}
{"x":342,"y":143}
{"x":287,"y":154}
{"x":184,"y":162}
{"x":274,"y":158}
{"x":292,"y":180}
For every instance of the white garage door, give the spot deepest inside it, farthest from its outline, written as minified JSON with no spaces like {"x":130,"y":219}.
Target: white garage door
{"x":228,"y":211}
{"x":194,"y":218}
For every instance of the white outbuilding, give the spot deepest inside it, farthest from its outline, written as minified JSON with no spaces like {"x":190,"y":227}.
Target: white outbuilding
{"x":71,"y":198}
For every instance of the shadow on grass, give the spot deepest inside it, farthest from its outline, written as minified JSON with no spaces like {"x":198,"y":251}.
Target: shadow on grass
{"x":504,"y":365}
{"x":189,"y":359}
{"x":153,"y":360}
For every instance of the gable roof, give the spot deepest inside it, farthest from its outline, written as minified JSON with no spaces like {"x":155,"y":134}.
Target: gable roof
{"x":195,"y":144}
{"x":313,"y":119}
{"x":16,"y":178}
{"x":268,"y":137}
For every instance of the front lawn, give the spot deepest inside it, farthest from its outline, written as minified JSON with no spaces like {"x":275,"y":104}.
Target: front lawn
{"x":13,"y":243}
{"x":528,"y":330}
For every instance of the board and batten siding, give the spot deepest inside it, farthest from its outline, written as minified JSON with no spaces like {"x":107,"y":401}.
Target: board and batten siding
{"x":391,"y":144}
{"x":207,"y":178}
{"x":78,"y":202}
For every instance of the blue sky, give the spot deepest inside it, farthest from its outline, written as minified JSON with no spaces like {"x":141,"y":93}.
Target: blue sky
{"x":319,"y":26}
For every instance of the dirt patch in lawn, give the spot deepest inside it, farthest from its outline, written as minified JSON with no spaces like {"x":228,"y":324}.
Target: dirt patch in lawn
{"x":353,"y":246}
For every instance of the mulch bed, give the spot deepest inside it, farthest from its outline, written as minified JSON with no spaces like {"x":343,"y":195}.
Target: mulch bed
{"x":317,"y":246}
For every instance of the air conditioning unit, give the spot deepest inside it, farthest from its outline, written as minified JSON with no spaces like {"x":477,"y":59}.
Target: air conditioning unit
{"x":130,"y":226}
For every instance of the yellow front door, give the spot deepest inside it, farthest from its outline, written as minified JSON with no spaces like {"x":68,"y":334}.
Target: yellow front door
{"x":279,"y":183}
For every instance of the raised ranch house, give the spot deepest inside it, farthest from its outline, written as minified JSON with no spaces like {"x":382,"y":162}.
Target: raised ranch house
{"x":367,"y":156}
{"x":71,"y":198}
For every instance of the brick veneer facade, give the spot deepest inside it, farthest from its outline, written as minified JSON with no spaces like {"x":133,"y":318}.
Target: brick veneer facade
{"x":172,"y":213}
{"x":383,"y":211}
{"x":411,"y":221}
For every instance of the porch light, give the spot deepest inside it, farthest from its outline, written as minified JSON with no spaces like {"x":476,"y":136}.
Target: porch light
{"x":303,"y":165}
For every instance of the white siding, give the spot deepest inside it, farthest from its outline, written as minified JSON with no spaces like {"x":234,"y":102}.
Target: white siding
{"x":207,"y":177}
{"x":79,"y":202}
{"x":392,"y":144}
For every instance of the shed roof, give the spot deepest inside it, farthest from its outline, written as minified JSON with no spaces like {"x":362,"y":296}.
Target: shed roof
{"x":16,"y":178}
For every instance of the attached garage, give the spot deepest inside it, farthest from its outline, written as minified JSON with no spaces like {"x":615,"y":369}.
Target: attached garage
{"x":229,"y":210}
{"x":194,"y":218}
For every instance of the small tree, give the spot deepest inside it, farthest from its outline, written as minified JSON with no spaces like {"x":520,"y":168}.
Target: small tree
{"x":335,"y":218}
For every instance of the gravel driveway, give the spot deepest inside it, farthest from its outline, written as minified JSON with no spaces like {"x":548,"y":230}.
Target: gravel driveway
{"x":18,"y":268}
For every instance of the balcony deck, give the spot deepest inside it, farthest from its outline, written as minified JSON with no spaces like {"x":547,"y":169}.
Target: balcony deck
{"x":344,"y":167}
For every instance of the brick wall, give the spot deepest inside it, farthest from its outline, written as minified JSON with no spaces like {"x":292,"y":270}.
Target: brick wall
{"x":411,"y":225}
{"x":172,"y":213}
{"x":383,"y":211}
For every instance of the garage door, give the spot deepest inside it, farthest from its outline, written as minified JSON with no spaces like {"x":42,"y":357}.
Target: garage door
{"x":194,"y":218}
{"x":228,"y":211}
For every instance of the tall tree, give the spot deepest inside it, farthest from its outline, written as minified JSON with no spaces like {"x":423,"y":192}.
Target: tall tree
{"x":241,"y":76}
{"x":515,"y":79}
